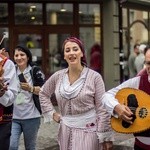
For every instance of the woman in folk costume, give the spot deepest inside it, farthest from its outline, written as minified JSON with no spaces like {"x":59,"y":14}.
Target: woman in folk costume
{"x":84,"y":124}
{"x":141,"y":82}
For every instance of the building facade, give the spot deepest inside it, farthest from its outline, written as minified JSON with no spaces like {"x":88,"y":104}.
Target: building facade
{"x":42,"y":25}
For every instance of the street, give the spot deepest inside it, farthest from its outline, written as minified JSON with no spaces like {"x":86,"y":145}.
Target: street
{"x":47,"y":139}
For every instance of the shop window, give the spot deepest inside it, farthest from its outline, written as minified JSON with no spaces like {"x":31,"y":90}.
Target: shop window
{"x":59,"y":14}
{"x":138,"y":34}
{"x":135,"y":31}
{"x":28,"y":13}
{"x":124,"y":17}
{"x":138,"y":15}
{"x":32,"y":42}
{"x":3,"y":13}
{"x":89,"y":13}
{"x":56,"y":57}
{"x":137,"y":28}
{"x":92,"y":43}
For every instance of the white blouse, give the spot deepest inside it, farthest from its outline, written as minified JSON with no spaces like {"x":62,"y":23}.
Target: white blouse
{"x":110,"y":102}
{"x":24,"y":107}
{"x":108,"y":99}
{"x":70,"y":91}
{"x":10,"y":79}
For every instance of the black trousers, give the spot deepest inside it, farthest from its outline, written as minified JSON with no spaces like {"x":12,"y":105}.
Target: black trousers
{"x":140,"y":146}
{"x":137,"y":147}
{"x":5,"y":133}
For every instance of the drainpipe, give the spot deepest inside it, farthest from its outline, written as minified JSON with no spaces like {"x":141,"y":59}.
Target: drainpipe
{"x":121,"y":53}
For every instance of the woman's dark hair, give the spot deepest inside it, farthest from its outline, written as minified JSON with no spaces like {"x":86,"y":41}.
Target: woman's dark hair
{"x":146,"y":49}
{"x":27,"y":52}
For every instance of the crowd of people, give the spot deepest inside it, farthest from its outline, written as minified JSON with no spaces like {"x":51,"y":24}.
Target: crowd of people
{"x":84,"y":107}
{"x":135,"y":61}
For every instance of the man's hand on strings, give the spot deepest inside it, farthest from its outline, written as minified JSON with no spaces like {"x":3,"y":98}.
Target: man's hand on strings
{"x":124,"y":113}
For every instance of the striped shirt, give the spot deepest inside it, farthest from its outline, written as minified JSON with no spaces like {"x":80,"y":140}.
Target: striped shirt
{"x":88,"y":98}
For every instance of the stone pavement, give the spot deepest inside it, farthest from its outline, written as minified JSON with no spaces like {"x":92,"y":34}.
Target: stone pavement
{"x":47,"y":139}
{"x":123,"y":142}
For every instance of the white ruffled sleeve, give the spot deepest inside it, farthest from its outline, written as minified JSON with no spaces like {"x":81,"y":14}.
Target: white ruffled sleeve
{"x":48,"y":117}
{"x":104,"y":130}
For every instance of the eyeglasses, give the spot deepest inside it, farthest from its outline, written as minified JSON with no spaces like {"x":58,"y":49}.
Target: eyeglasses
{"x":147,"y":62}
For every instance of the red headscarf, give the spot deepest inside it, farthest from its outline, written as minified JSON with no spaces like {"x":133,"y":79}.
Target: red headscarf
{"x":79,"y":42}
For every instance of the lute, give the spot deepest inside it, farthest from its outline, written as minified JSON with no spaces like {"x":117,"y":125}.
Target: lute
{"x":139,"y":103}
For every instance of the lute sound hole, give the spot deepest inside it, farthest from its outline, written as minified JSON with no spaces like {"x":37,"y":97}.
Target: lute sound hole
{"x":143,"y":112}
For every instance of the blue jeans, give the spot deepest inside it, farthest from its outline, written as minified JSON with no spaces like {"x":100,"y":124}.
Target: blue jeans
{"x":29,"y":128}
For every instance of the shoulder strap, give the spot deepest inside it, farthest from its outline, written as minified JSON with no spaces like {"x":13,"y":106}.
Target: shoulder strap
{"x":32,"y":72}
{"x":35,"y":97}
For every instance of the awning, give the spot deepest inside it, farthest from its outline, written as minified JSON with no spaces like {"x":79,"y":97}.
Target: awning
{"x":144,"y":2}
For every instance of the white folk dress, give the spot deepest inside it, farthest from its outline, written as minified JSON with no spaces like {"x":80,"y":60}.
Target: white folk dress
{"x":84,"y":123}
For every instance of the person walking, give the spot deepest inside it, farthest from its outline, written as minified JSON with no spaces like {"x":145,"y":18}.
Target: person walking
{"x":84,"y":123}
{"x":95,"y":59}
{"x":131,"y":61}
{"x":8,"y":93}
{"x":141,"y":82}
{"x":139,"y":60}
{"x":26,"y":112}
